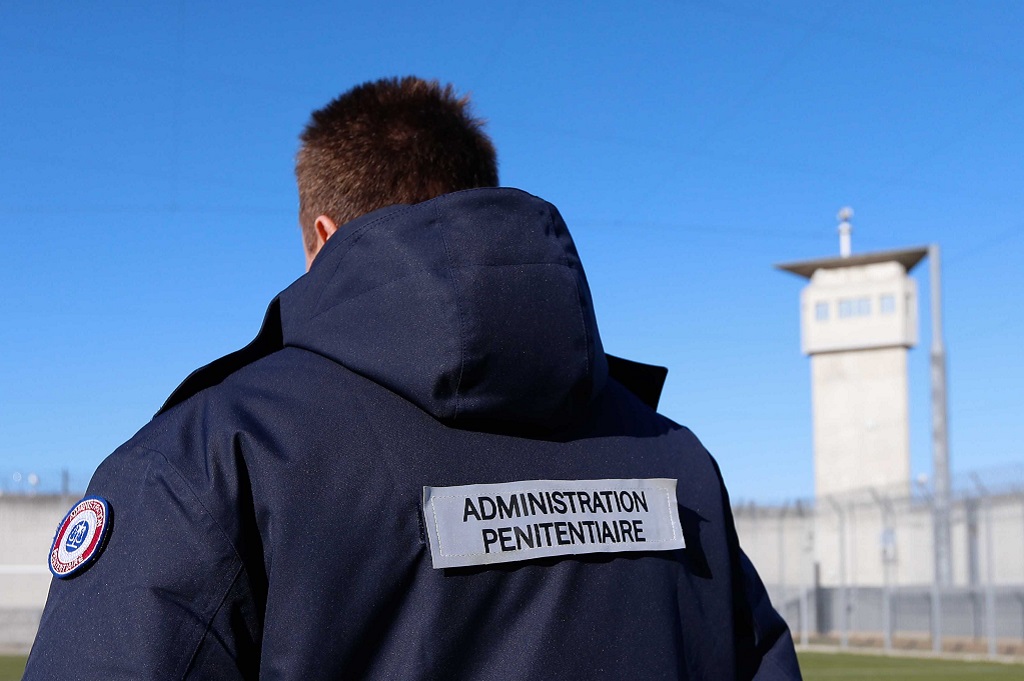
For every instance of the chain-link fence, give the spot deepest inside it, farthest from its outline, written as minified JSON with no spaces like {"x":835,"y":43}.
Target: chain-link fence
{"x":35,"y":480}
{"x":861,"y":569}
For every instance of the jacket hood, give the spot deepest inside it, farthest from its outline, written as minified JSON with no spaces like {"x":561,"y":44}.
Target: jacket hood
{"x":474,"y":306}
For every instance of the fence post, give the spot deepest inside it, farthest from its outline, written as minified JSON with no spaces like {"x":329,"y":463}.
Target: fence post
{"x":844,"y":604}
{"x":805,"y":610}
{"x":888,"y":549}
{"x":990,"y":587}
{"x":936,"y":595}
{"x":990,"y":597}
{"x":936,"y":605}
{"x":782,"y":557}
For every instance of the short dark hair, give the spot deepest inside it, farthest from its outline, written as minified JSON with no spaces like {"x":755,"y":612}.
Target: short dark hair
{"x":394,"y":140}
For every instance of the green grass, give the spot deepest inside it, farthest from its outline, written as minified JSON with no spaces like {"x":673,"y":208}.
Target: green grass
{"x":815,"y":666}
{"x":11,"y":667}
{"x":824,"y":666}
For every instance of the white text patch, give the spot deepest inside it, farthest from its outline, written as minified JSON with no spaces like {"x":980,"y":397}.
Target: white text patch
{"x":483,"y":524}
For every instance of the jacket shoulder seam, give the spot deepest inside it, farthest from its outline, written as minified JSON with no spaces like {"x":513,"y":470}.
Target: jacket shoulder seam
{"x":198,"y":500}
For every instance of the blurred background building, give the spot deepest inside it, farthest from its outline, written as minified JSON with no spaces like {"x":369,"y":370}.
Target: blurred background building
{"x":876,"y":558}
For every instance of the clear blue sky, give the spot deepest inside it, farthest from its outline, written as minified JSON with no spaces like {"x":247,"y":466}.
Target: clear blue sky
{"x":147,"y":204}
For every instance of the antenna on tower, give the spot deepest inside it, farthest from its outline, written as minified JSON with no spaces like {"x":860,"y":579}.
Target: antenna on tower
{"x":845,"y":229}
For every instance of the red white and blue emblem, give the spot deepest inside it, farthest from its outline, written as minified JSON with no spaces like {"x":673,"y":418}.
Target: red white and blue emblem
{"x":80,"y":537}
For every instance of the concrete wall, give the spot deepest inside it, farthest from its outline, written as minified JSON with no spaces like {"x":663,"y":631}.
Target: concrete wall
{"x":870,"y":541}
{"x":867,"y":554}
{"x":27,"y":526}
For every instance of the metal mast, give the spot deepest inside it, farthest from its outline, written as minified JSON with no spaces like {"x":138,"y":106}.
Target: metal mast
{"x":940,"y":434}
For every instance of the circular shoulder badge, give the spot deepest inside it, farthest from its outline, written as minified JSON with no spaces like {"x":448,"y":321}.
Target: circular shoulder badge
{"x":80,"y":537}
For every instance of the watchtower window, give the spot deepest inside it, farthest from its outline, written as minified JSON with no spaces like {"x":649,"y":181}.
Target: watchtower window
{"x":821,"y":311}
{"x":854,"y":307}
{"x":887,"y":304}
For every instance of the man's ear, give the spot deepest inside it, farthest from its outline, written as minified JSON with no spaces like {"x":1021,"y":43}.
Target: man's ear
{"x":325,"y":229}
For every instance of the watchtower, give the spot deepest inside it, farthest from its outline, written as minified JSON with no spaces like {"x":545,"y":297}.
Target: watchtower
{"x":858,"y":317}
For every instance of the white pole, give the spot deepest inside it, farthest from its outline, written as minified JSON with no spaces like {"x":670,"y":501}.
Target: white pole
{"x":844,"y":231}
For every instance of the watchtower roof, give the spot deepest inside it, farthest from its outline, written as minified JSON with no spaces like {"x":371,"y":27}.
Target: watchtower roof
{"x":908,"y":257}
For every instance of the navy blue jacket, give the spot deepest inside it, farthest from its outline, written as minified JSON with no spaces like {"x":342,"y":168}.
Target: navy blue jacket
{"x":267,"y":522}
